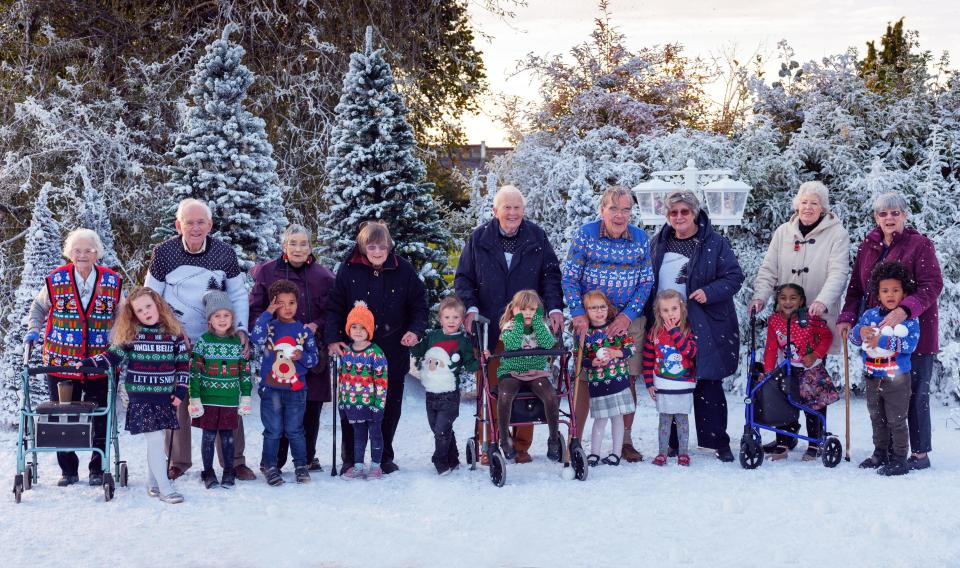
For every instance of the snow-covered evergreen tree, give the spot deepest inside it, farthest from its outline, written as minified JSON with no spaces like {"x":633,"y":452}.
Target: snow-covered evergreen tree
{"x":223,"y":157}
{"x":374,"y":173}
{"x":582,"y":205}
{"x":41,"y":255}
{"x":94,"y":216}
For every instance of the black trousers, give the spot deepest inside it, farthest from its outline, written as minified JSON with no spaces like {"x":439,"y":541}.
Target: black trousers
{"x":92,"y":391}
{"x":311,"y":429}
{"x":442,"y":409}
{"x":710,"y":416}
{"x":813,"y":429}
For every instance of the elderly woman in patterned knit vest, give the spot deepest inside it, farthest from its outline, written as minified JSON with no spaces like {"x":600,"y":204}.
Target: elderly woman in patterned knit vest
{"x":73,"y":314}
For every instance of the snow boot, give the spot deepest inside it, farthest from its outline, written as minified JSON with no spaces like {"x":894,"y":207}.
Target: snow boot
{"x":229,"y":478}
{"x":894,"y":466}
{"x":273,"y":477}
{"x":303,"y":474}
{"x":918,"y":463}
{"x":553,"y":448}
{"x":724,"y":454}
{"x":315,"y":465}
{"x":878,"y":459}
{"x":209,"y":478}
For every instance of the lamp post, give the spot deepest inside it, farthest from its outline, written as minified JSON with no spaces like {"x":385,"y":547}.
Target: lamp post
{"x":723,"y":198}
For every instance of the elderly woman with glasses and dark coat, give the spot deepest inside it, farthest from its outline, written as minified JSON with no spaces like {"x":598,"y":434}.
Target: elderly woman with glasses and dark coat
{"x":373,"y":273}
{"x":893,"y":240}
{"x":689,"y":256}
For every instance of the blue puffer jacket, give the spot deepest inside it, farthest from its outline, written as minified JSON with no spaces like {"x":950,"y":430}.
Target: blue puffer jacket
{"x":714,"y":268}
{"x":484,"y":281}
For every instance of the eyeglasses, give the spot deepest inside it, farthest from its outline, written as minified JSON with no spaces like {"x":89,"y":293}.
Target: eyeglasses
{"x":617,"y":211}
{"x":895,"y":214}
{"x":375,"y":248}
{"x":596,"y":308}
{"x":78,"y":252}
{"x":679,"y":213}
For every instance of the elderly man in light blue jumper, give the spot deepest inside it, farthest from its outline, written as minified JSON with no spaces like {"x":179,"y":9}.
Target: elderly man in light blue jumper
{"x":612,"y":256}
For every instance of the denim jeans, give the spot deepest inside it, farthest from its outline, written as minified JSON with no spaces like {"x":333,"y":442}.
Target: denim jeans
{"x":361,"y":430}
{"x":442,"y":410}
{"x":281,"y":412}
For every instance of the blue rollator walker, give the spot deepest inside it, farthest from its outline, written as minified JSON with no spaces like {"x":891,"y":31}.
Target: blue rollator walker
{"x":64,"y":427}
{"x":773,"y":401}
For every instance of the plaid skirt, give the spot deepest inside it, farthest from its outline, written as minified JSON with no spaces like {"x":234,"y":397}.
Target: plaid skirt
{"x":616,"y":404}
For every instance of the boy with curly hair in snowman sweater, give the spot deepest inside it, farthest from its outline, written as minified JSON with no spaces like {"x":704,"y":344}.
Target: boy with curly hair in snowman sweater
{"x":443,"y":353}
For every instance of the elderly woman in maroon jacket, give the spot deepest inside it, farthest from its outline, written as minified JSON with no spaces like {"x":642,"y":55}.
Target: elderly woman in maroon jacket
{"x":893,"y":240}
{"x":297,"y":265}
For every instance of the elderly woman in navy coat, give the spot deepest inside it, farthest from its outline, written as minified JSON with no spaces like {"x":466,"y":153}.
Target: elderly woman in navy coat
{"x":388,"y":283}
{"x":692,"y":258}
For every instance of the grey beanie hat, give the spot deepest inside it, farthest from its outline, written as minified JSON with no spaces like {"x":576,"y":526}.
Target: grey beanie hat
{"x":216,"y":300}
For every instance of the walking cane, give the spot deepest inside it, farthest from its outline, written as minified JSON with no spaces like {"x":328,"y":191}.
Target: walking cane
{"x":575,"y":440}
{"x":334,"y":363}
{"x":846,"y":396}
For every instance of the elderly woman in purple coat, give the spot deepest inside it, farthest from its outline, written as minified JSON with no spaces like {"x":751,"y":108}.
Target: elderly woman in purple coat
{"x":893,"y":240}
{"x":298,"y":265}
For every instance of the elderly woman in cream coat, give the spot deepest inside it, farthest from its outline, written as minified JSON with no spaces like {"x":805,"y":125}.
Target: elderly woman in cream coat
{"x":811,"y":250}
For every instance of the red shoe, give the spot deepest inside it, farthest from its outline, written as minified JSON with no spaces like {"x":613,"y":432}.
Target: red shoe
{"x":683,"y":459}
{"x":661,"y":459}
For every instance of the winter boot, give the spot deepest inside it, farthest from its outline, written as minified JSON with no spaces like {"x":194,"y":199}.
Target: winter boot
{"x":878,"y":459}
{"x":303,"y":474}
{"x":315,"y":465}
{"x":229,"y":478}
{"x":273,"y":477}
{"x":553,"y":448}
{"x":209,"y":478}
{"x":895,"y":466}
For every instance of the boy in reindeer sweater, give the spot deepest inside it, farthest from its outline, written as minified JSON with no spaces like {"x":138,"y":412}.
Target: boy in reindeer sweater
{"x":289,"y":350}
{"x":886,"y":360}
{"x":443,"y":353}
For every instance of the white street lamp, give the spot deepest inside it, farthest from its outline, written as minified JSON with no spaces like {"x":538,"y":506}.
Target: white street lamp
{"x":724,"y":199}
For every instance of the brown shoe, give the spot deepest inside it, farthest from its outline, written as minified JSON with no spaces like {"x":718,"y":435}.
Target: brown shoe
{"x":631,"y":454}
{"x":244,"y":473}
{"x":174,"y":472}
{"x":523,"y":457}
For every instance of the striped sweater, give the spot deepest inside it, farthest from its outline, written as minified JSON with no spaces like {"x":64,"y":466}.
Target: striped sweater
{"x":157,"y":365}
{"x":219,"y":374}
{"x":516,"y":336}
{"x":670,"y":356}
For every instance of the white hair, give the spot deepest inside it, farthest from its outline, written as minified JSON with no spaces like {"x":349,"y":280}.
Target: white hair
{"x":294,"y":229}
{"x":816,"y":189}
{"x":688,"y":198}
{"x":508,"y":191}
{"x":891,"y":200}
{"x":82,"y":233}
{"x":613,"y":195}
{"x":189,"y":202}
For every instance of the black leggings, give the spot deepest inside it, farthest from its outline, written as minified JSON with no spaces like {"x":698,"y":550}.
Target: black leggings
{"x":507,"y":389}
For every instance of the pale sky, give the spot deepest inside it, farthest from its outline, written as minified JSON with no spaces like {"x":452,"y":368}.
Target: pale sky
{"x":813,"y":28}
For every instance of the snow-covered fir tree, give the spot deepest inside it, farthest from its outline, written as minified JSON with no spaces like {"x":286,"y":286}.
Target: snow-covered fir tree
{"x":582,"y":205}
{"x":41,"y":254}
{"x":223,"y":157}
{"x":94,"y":216}
{"x":374,"y":173}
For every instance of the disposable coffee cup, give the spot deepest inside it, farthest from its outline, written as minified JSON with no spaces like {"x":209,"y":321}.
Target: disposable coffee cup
{"x":65,"y":391}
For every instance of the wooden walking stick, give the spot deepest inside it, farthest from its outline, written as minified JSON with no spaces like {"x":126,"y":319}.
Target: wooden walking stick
{"x":846,"y":396}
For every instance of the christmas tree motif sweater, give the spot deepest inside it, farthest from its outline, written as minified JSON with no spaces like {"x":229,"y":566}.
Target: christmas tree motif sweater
{"x":441,"y":371}
{"x":669,"y":361}
{"x":891,"y":356}
{"x":815,"y":337}
{"x":516,"y":336}
{"x":363,"y":384}
{"x":614,"y":376}
{"x":157,"y":365}
{"x":219,"y":374}
{"x":278,"y":370}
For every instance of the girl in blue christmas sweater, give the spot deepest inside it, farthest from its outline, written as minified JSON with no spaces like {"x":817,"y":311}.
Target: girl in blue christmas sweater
{"x":669,"y":358}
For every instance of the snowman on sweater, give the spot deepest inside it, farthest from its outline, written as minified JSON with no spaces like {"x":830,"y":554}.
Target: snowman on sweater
{"x":435,"y":372}
{"x":900,"y":331}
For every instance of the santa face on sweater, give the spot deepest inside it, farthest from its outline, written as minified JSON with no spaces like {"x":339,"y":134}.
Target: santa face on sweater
{"x":435,"y":372}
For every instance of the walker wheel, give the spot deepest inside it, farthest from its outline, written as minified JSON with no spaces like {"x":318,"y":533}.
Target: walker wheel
{"x":578,"y":459}
{"x":471,"y":452}
{"x":28,"y":478}
{"x":108,"y":486}
{"x":18,"y":487}
{"x":498,"y":469}
{"x":832,"y":452}
{"x":751,"y":453}
{"x":124,"y":474}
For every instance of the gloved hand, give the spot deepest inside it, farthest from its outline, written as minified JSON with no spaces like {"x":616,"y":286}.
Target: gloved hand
{"x":195,"y":408}
{"x":246,"y":406}
{"x":32,"y":337}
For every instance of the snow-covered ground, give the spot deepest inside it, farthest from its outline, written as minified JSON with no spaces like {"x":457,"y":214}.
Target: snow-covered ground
{"x":785,"y":513}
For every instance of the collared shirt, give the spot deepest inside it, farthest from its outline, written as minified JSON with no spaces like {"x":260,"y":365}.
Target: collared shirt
{"x":604,"y":234}
{"x":203,"y":247}
{"x":85,"y":286}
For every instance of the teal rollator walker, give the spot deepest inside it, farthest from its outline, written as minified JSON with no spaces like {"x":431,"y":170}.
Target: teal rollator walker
{"x":64,"y":427}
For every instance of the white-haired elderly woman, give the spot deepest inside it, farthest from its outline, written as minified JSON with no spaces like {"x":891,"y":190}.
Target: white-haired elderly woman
{"x":810,"y":250}
{"x":298,"y":265}
{"x":73,"y":313}
{"x":893,"y":240}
